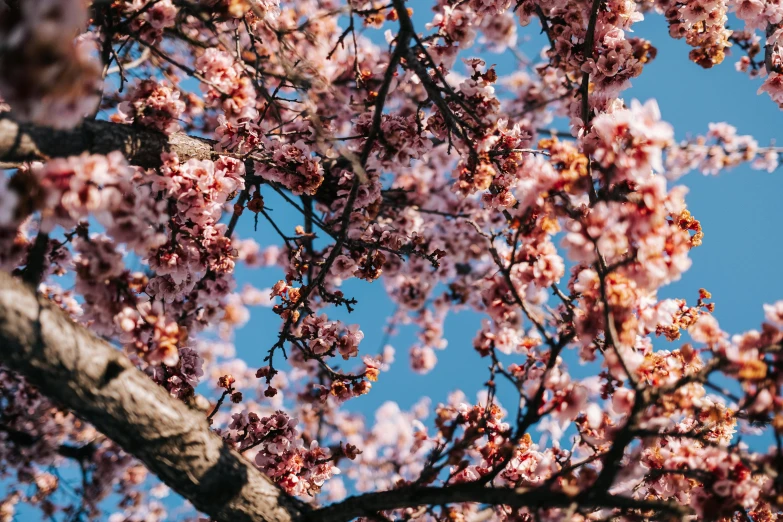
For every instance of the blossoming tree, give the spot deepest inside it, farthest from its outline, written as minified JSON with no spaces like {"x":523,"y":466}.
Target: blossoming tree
{"x":138,"y":133}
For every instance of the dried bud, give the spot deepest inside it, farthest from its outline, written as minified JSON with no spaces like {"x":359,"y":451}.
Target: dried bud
{"x":351,"y":451}
{"x":256,"y":204}
{"x":361,"y":388}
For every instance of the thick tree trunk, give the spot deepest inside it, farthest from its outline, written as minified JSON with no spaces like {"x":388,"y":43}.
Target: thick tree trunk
{"x":96,"y":381}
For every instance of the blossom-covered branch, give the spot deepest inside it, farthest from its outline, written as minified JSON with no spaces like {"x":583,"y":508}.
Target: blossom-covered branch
{"x":90,"y":377}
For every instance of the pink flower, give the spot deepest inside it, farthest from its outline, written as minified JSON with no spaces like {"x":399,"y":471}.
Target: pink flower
{"x":423,"y":359}
{"x":348,"y":344}
{"x":161,"y":15}
{"x":488,"y":7}
{"x":639,"y":125}
{"x":774,"y":313}
{"x":773,"y":86}
{"x":706,"y":330}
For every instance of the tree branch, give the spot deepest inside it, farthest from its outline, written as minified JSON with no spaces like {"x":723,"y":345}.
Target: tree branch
{"x":369,"y":503}
{"x":20,"y":142}
{"x":97,"y":382}
{"x":588,"y":54}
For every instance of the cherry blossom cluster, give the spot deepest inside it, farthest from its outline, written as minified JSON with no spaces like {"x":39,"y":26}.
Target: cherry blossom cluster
{"x":197,"y":246}
{"x":38,"y":438}
{"x":280,"y":453}
{"x":152,"y":104}
{"x":292,"y":165}
{"x":150,"y":19}
{"x":703,"y":26}
{"x":226,"y":86}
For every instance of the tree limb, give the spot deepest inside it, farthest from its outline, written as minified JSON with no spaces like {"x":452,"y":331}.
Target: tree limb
{"x":20,"y":142}
{"x":97,"y":382}
{"x":370,"y":503}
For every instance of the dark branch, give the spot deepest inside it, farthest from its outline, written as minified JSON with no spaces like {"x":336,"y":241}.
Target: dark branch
{"x":20,"y":142}
{"x":370,"y":503}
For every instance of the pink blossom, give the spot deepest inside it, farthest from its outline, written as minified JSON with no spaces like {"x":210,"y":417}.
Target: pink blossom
{"x":422,"y":359}
{"x":774,"y":313}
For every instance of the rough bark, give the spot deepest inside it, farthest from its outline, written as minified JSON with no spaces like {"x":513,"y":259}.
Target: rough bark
{"x":20,"y":142}
{"x":97,"y":382}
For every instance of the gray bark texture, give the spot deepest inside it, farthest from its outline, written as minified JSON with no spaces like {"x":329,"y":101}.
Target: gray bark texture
{"x":97,"y":382}
{"x":20,"y":142}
